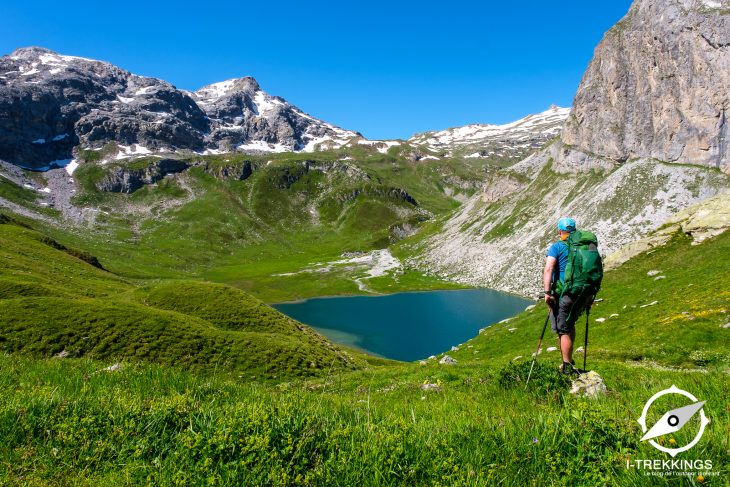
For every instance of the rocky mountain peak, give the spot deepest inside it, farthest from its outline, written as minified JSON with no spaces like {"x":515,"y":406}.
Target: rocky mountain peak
{"x":57,"y":104}
{"x":658,"y":86}
{"x":35,"y":59}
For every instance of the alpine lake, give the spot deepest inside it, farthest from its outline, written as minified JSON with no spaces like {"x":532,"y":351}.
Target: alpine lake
{"x":405,"y":326}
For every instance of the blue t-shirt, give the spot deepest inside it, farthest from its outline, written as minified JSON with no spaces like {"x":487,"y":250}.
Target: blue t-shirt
{"x":559,"y":250}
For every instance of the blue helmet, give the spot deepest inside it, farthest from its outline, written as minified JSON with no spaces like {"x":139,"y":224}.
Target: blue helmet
{"x":566,"y":224}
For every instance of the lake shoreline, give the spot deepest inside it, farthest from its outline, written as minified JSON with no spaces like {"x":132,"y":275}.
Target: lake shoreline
{"x":414,"y":291}
{"x":405,"y":326}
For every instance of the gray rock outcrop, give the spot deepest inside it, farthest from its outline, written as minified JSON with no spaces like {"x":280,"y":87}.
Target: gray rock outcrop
{"x":658,"y":87}
{"x":447,"y":360}
{"x":701,"y":221}
{"x":589,"y":384}
{"x":124,"y":179}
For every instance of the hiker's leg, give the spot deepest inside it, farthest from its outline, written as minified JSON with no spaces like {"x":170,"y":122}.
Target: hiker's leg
{"x":565,"y":328}
{"x":566,"y":345}
{"x":578,"y":308}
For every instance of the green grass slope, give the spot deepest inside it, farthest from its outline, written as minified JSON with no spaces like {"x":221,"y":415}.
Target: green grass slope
{"x":258,"y":233}
{"x":52,"y":301}
{"x":643,"y":319}
{"x":472,"y":423}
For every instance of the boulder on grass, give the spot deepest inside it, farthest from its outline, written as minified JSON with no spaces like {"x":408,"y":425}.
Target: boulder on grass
{"x":588,"y":384}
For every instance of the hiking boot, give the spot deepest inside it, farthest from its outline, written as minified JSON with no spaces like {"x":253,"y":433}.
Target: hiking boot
{"x":568,"y":369}
{"x":576,"y":369}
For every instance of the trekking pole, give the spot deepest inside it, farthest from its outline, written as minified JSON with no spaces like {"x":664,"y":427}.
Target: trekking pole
{"x":585,"y":343}
{"x":539,"y":342}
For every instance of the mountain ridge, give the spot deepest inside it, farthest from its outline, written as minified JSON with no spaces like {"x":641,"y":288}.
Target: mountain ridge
{"x":57,"y":102}
{"x":513,"y":140}
{"x":62,"y":103}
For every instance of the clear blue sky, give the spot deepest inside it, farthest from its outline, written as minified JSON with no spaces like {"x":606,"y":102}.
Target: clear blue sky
{"x":385,"y":68}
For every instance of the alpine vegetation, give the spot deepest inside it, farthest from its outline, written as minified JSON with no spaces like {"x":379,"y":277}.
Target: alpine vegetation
{"x":147,"y":231}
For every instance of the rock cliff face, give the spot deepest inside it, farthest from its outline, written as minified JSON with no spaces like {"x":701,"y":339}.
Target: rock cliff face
{"x":659,"y":86}
{"x":127,"y":180}
{"x":50,"y":103}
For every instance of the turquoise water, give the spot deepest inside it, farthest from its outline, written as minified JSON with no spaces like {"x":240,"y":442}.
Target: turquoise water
{"x":405,"y":326}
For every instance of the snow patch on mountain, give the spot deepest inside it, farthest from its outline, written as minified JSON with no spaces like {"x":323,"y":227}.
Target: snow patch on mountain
{"x":513,"y":139}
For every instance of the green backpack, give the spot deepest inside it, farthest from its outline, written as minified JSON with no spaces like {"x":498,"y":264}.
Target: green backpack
{"x":584,"y":271}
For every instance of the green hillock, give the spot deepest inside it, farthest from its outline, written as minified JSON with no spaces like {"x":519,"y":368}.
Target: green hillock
{"x":54,"y":300}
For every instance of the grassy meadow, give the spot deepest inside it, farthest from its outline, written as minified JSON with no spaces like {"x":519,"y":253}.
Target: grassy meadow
{"x":72,"y":421}
{"x":141,"y":350}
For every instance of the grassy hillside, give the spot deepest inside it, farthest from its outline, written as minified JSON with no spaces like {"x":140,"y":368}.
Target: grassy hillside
{"x":644,"y":319}
{"x":516,"y":215}
{"x":473,"y":423}
{"x":53,"y":301}
{"x":293,"y":211}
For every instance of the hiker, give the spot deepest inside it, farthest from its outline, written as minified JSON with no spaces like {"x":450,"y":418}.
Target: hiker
{"x":565,"y":308}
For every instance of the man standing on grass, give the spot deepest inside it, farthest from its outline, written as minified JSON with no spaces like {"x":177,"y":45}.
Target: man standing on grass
{"x":564,"y":310}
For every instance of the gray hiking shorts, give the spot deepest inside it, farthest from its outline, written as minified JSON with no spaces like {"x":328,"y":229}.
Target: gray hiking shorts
{"x":562,"y":324}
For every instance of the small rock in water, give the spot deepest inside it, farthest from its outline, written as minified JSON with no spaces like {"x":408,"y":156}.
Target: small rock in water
{"x":650,"y":304}
{"x":600,"y":320}
{"x":454,"y":349}
{"x":447,"y":360}
{"x":653,"y":273}
{"x":589,"y":384}
{"x":552,"y":349}
{"x":660,"y":277}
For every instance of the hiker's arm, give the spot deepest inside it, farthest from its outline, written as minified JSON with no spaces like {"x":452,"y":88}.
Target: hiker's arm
{"x":547,"y":276}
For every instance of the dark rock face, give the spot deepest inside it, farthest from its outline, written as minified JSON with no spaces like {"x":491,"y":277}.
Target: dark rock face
{"x":238,"y":171}
{"x":122,"y":179}
{"x":398,"y":194}
{"x":284,"y":177}
{"x":659,"y":86}
{"x":50,"y":103}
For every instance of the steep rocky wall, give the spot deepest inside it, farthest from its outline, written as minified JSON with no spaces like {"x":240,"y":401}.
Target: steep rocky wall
{"x":658,"y":86}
